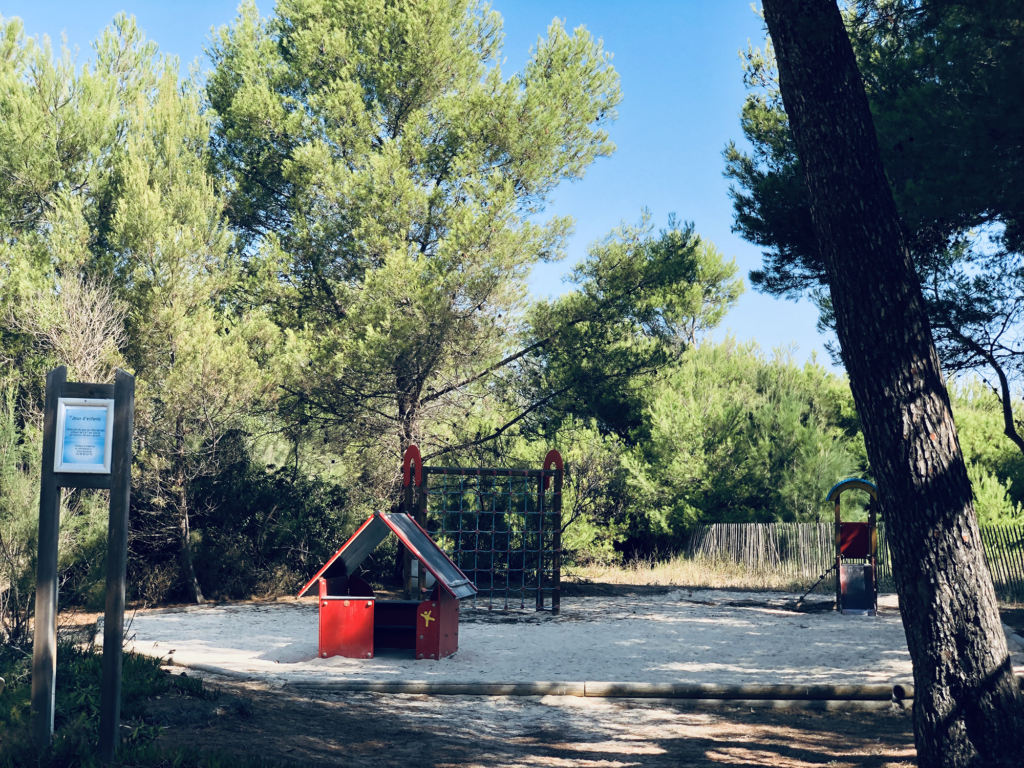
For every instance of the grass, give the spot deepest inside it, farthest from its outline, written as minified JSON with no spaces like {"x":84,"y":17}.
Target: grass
{"x":695,"y":573}
{"x":76,"y":721}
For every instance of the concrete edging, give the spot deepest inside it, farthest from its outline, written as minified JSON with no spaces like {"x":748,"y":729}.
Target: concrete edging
{"x":821,"y":696}
{"x":905,"y":691}
{"x":211,"y":669}
{"x":816,"y":705}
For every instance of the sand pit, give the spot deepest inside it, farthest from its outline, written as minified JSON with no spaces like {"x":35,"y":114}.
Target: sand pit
{"x":682,"y":636}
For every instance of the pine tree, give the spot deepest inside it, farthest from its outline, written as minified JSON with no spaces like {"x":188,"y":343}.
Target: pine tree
{"x":968,"y":708}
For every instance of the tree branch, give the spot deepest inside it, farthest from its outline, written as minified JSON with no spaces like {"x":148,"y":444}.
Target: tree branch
{"x":1004,"y":394}
{"x":500,"y":430}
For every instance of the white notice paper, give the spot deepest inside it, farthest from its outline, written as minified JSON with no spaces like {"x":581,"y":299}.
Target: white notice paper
{"x":84,"y":432}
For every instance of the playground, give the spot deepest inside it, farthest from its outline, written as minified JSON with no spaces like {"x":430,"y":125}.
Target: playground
{"x":340,"y":635}
{"x":539,"y":670}
{"x":651,"y":636}
{"x":297,"y":708}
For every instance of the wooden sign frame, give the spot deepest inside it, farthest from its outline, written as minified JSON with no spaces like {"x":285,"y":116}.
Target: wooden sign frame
{"x":118,"y":481}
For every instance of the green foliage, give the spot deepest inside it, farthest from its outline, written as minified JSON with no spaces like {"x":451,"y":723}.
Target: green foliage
{"x":734,"y":437}
{"x":991,"y":498}
{"x":83,"y":527}
{"x":597,"y":516}
{"x":197,"y":364}
{"x":641,"y":300}
{"x":269,"y":531}
{"x":979,"y":419}
{"x":115,"y":251}
{"x":596,"y":509}
{"x":322,"y":254}
{"x":994,"y":465}
{"x":389,"y":172}
{"x":391,"y":222}
{"x":942,"y":82}
{"x":19,"y":521}
{"x":943,"y":79}
{"x":76,"y":720}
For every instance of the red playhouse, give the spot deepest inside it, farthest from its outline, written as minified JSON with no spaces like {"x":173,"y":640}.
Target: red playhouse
{"x":354,"y":623}
{"x":856,"y":554}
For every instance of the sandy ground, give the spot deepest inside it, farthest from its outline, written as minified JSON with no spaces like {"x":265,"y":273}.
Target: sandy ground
{"x":681,"y":636}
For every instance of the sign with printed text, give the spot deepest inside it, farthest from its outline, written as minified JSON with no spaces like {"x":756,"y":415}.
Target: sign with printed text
{"x":85,"y":429}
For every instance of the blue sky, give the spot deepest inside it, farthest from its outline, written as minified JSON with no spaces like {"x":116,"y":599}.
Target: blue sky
{"x":683,"y":89}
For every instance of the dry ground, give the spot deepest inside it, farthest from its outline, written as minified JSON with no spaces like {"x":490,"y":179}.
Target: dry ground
{"x":316,"y":728}
{"x":374,"y":730}
{"x":1013,"y":616}
{"x":678,"y":636}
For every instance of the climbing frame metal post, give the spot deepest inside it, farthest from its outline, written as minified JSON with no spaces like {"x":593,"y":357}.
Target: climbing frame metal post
{"x":554,"y":461}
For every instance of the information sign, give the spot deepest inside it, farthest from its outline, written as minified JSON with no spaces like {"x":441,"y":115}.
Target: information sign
{"x":85,"y":429}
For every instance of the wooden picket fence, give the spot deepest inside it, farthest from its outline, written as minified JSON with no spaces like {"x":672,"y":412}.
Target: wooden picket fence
{"x":804,"y":551}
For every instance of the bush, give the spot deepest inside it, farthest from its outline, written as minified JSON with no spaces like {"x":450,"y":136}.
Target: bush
{"x":266,"y":532}
{"x":731,"y":435}
{"x":992,"y":501}
{"x":994,"y":464}
{"x":76,"y":719}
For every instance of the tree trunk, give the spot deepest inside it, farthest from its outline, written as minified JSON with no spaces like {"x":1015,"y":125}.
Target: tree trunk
{"x":407,"y":413}
{"x":185,"y":556}
{"x":968,"y":710}
{"x":185,"y":553}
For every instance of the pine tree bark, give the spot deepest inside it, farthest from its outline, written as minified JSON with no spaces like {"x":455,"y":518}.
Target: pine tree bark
{"x":185,"y":557}
{"x":185,"y":551}
{"x":968,"y":709}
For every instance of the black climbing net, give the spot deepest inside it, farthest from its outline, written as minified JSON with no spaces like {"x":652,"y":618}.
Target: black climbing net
{"x":502,"y":527}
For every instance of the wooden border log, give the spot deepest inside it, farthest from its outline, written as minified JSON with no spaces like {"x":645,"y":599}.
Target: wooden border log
{"x":539,"y":688}
{"x":865,"y":692}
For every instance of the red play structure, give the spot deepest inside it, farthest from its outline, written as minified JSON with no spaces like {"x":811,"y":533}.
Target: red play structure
{"x":354,"y":623}
{"x":856,"y":554}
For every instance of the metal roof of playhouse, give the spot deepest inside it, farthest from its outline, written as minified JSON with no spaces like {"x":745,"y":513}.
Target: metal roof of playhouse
{"x":411,"y":534}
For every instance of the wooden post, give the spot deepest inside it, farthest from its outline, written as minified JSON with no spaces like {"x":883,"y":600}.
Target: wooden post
{"x":407,"y":507}
{"x":553,"y":459}
{"x":873,"y":551}
{"x":117,"y":561}
{"x":409,"y":460}
{"x":44,"y":645}
{"x":421,"y":518}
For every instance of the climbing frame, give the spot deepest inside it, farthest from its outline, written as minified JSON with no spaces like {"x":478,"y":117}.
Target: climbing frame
{"x":502,"y":527}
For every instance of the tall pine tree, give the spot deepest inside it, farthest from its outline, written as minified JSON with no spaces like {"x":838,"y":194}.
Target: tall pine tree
{"x":968,"y":708}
